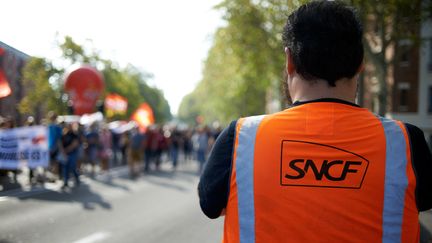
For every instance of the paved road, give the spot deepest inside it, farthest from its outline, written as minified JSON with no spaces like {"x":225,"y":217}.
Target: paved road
{"x":426,"y":226}
{"x":159,"y":207}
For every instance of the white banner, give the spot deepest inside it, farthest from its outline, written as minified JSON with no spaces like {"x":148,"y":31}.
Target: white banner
{"x":24,"y":146}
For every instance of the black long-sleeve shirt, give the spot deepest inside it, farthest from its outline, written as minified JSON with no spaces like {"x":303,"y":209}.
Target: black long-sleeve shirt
{"x":214,"y":183}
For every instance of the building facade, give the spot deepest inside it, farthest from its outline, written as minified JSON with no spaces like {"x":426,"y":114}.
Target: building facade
{"x":12,"y":62}
{"x":412,"y":89}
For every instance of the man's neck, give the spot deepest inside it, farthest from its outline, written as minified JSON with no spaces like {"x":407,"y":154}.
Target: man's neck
{"x":304,"y":90}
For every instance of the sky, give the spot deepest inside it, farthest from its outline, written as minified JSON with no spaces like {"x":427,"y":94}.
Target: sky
{"x":168,"y":38}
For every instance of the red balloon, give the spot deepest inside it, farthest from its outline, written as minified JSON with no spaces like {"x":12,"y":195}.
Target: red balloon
{"x":84,"y":86}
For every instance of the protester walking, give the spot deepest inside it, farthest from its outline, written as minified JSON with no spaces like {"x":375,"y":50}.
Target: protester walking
{"x":174,"y":146}
{"x":71,"y":143}
{"x":54,"y":144}
{"x":201,"y":141}
{"x":92,"y":147}
{"x":105,"y":152}
{"x":136,"y":151}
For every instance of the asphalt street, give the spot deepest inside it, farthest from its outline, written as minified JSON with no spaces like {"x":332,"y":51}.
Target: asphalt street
{"x":426,"y":227}
{"x":157,"y":207}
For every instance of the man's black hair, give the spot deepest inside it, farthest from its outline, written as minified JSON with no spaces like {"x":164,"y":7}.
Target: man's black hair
{"x":325,"y":41}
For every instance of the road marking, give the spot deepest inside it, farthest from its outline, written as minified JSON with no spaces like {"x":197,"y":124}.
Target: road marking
{"x":95,"y":237}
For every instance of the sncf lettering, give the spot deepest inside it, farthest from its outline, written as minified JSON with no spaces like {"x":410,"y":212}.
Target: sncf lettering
{"x":300,"y":167}
{"x":311,"y":164}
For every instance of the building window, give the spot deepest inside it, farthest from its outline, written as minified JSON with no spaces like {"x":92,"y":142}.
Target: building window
{"x":404,"y":55}
{"x":404,"y":52}
{"x":430,"y":100}
{"x":403,"y":95}
{"x":403,"y":98}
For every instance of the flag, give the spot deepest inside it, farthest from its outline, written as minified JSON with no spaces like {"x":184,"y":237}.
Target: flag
{"x":143,"y":116}
{"x":5,"y":89}
{"x":115,"y":104}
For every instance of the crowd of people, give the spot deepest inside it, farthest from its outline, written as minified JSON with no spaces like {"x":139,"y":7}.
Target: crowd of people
{"x":95,"y":148}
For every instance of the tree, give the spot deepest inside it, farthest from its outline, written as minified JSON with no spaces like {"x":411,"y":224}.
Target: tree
{"x":75,"y":52}
{"x":275,"y":14}
{"x":40,"y":95}
{"x":153,"y":96}
{"x":385,"y":24}
{"x":247,"y":58}
{"x":189,"y":108}
{"x":238,"y":69}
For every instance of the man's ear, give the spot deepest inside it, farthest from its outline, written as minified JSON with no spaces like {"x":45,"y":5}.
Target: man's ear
{"x":290,"y":67}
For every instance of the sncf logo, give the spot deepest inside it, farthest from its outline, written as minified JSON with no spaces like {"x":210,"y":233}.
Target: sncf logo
{"x":302,"y":166}
{"x":318,"y":165}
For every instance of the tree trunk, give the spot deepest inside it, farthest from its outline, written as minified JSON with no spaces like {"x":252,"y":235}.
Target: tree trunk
{"x":382,"y":93}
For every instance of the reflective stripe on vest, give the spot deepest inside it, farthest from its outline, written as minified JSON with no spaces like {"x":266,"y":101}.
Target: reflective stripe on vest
{"x":245,"y":169}
{"x":396,"y":181}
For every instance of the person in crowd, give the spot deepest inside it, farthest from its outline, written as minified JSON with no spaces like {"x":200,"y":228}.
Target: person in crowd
{"x":105,"y":141}
{"x":70,"y":143}
{"x":54,"y":144}
{"x":124,"y":144}
{"x":136,"y":152}
{"x":82,"y":157}
{"x":9,"y":123}
{"x":2,"y":122}
{"x":201,"y":142}
{"x":159,"y":146}
{"x":116,"y":148}
{"x":92,"y":147}
{"x":187,"y":145}
{"x":154,"y":145}
{"x":174,"y":145}
{"x":217,"y":129}
{"x":30,"y":121}
{"x":148,"y":150}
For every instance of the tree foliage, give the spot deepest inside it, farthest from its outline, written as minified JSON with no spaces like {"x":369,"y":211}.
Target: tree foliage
{"x":386,"y":23}
{"x":129,"y":82}
{"x":40,"y":95}
{"x":239,"y":68}
{"x":246,"y":60}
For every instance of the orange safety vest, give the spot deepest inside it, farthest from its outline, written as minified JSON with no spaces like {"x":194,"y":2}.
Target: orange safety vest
{"x":321,"y":172}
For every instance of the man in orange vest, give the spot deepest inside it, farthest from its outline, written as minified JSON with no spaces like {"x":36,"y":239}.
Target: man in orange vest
{"x":324,"y":170}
